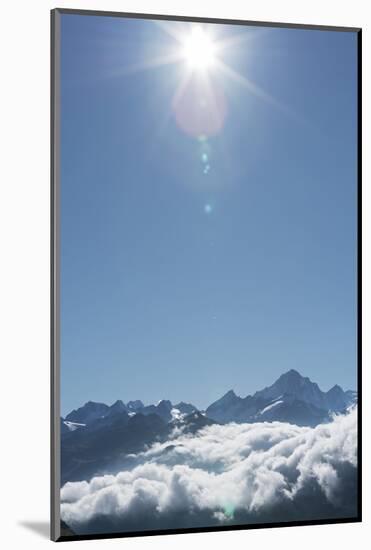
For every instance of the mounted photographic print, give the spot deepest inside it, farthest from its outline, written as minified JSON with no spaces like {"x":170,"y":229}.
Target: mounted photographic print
{"x":205,"y":274}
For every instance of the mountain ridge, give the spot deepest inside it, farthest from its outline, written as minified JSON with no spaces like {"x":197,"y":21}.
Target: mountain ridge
{"x":289,"y":397}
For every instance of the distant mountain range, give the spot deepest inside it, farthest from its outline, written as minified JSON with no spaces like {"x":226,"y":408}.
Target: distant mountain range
{"x":92,"y":412}
{"x":292,"y":398}
{"x":97,"y":438}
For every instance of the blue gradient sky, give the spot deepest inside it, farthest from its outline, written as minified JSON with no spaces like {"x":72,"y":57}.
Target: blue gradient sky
{"x":161,"y":298}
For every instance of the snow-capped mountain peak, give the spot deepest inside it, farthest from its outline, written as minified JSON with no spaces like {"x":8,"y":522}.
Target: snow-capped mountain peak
{"x":291,"y":398}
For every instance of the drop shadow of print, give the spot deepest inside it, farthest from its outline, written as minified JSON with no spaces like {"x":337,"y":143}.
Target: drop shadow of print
{"x":41,"y":528}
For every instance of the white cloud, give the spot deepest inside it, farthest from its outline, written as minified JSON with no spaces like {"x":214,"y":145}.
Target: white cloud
{"x":221,"y":470}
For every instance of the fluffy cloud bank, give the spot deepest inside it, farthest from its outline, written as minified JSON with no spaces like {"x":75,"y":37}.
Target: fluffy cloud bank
{"x":225,"y":474}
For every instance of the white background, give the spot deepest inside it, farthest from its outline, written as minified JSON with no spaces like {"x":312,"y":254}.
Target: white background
{"x":24,"y":268}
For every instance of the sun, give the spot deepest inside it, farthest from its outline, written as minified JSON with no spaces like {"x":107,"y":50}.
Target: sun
{"x":199,"y":49}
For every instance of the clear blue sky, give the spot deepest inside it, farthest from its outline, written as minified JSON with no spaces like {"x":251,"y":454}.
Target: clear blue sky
{"x":181,"y":284}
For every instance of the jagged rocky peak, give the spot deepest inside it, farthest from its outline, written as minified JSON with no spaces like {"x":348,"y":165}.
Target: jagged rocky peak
{"x":229,"y":396}
{"x":337,"y":399}
{"x":293,"y":383}
{"x":118,"y":406}
{"x":88,"y":412}
{"x":94,"y":405}
{"x":293,"y":378}
{"x":135,"y":405}
{"x":336,"y":390}
{"x":224,"y":409}
{"x":185,"y":408}
{"x":164,"y":404}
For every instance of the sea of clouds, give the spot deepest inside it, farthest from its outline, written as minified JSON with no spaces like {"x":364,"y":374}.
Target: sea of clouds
{"x":225,"y":474}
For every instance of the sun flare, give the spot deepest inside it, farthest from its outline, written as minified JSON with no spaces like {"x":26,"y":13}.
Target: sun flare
{"x":199,"y":49}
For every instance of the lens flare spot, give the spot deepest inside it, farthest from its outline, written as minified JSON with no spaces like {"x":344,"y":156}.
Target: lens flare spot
{"x":229,"y":511}
{"x":200,"y":109}
{"x":208,"y":208}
